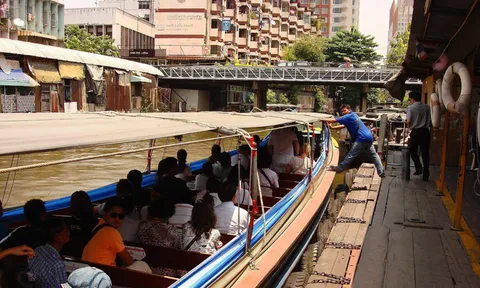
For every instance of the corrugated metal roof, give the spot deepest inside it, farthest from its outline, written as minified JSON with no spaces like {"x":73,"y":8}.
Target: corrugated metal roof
{"x":69,"y":55}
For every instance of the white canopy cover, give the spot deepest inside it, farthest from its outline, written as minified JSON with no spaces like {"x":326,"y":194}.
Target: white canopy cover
{"x":25,"y":133}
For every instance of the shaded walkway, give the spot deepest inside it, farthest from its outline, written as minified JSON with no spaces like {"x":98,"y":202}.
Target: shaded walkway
{"x":409,"y":243}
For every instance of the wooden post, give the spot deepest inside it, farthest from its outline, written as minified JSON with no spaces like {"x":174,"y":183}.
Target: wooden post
{"x":443,"y":164}
{"x":461,"y":174}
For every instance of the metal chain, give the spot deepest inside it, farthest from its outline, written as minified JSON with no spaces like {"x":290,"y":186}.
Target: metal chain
{"x":341,"y":245}
{"x":350,"y":220}
{"x":359,"y":188}
{"x":355,"y":201}
{"x":332,"y":278}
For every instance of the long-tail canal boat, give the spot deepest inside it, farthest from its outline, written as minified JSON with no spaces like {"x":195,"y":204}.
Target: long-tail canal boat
{"x":261,"y":256}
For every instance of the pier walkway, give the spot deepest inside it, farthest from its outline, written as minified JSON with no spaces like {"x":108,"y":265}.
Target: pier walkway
{"x":410,"y":242}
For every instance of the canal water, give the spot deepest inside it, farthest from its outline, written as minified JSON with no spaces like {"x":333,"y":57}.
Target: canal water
{"x":61,"y":180}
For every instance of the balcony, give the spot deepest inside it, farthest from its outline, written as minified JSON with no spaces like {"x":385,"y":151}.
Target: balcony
{"x":264,"y":48}
{"x":254,"y":23}
{"x":229,"y":13}
{"x":216,"y":8}
{"x":285,"y":15}
{"x":342,"y":5}
{"x":284,"y":34}
{"x":267,"y":6}
{"x":215,"y":33}
{"x":266,"y":28}
{"x":276,"y":11}
{"x":293,"y":4}
{"x":258,"y":2}
{"x":228,"y":37}
{"x":242,"y":18}
{"x":292,"y":19}
{"x":253,"y":45}
{"x":307,"y":26}
{"x":241,"y":41}
{"x":275,"y":51}
{"x":300,"y":23}
{"x":292,"y":38}
{"x":275,"y":30}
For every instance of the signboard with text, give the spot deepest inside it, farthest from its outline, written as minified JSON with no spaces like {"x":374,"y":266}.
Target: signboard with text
{"x":226,"y":24}
{"x":141,"y":53}
{"x":180,"y":23}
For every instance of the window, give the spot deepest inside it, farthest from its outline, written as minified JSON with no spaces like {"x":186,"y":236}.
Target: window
{"x":324,"y":29}
{"x":336,"y":29}
{"x":214,"y":49}
{"x":53,"y":19}
{"x":337,"y":1}
{"x":337,"y":10}
{"x":30,"y":10}
{"x":45,"y":18}
{"x":317,"y":11}
{"x":215,"y":24}
{"x":143,"y":5}
{"x":325,"y":2}
{"x":324,"y":10}
{"x":337,"y":20}
{"x":353,"y":2}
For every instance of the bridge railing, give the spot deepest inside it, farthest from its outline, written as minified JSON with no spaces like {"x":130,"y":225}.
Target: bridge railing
{"x":282,"y":74}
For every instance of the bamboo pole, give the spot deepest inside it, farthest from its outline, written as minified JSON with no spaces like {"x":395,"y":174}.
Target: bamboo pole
{"x":461,"y":174}
{"x":443,"y":164}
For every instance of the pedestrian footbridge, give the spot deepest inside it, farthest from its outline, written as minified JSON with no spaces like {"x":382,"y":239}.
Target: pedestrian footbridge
{"x":283,"y":75}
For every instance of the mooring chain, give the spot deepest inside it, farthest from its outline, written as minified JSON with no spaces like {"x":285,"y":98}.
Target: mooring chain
{"x":341,"y":245}
{"x":355,"y":201}
{"x":354,"y":188}
{"x":350,"y":220}
{"x":332,"y":278}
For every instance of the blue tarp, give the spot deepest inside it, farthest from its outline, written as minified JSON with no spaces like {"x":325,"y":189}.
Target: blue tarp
{"x":16,"y":77}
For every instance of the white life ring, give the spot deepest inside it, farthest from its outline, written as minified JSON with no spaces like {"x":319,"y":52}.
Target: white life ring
{"x":463,"y":101}
{"x":438,"y":90}
{"x":435,"y":110}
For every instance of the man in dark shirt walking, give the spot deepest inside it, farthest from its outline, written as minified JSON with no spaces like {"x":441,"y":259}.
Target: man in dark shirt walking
{"x":419,"y":119}
{"x":361,"y":137}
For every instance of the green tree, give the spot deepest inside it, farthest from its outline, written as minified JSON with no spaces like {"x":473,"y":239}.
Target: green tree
{"x":358,"y":47}
{"x":308,"y":48}
{"x":80,"y":39}
{"x":320,"y":99}
{"x":398,"y":48}
{"x":271,"y":97}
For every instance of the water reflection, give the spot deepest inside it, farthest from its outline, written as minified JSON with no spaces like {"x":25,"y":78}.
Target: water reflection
{"x":57,"y":181}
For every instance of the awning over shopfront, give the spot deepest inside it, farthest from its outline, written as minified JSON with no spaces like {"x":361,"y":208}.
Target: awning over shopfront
{"x":45,"y":72}
{"x":139,"y":79}
{"x":71,"y":70}
{"x":16,"y":77}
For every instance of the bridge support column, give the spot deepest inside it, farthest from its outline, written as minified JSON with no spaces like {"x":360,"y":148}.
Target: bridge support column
{"x":260,"y":98}
{"x":363,"y":98}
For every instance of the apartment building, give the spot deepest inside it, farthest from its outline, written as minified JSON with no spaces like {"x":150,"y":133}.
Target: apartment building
{"x":344,"y":15}
{"x":144,"y":9}
{"x":38,"y":21}
{"x":134,"y":36}
{"x":401,"y":12}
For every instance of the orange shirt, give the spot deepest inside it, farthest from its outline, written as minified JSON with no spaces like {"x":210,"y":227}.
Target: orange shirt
{"x":104,"y":246}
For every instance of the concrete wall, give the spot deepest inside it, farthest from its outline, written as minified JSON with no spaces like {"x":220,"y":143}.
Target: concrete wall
{"x":197,"y":100}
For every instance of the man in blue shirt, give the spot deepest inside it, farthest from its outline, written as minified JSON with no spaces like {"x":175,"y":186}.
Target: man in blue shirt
{"x":361,"y":137}
{"x":47,"y":265}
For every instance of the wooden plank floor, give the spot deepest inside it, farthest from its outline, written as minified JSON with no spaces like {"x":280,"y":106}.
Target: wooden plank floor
{"x":420,"y":250}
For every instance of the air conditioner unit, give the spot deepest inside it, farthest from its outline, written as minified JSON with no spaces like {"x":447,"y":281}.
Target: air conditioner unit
{"x":30,"y":17}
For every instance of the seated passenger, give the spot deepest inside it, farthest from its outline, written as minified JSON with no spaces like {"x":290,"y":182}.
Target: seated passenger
{"x":184,"y":170}
{"x":81,"y":224}
{"x":221,"y":171}
{"x":268,"y":177}
{"x":257,"y":140}
{"x":154,"y":195}
{"x":215,"y":156}
{"x":170,"y":186}
{"x":47,"y":265}
{"x":201,"y":179}
{"x":282,"y":145}
{"x":141,"y":196}
{"x":243,"y":196}
{"x":183,"y":212}
{"x":200,"y":234}
{"x":107,"y":243}
{"x":300,"y":165}
{"x":214,"y":186}
{"x":32,"y":234}
{"x":156,"y":230}
{"x":228,"y":215}
{"x":129,"y":226}
{"x":244,"y":154}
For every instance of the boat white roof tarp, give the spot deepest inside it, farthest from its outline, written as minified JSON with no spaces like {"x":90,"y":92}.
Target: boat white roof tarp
{"x":35,"y":132}
{"x":69,"y":55}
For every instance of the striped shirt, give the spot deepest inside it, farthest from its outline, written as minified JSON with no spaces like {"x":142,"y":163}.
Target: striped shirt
{"x":48,"y":267}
